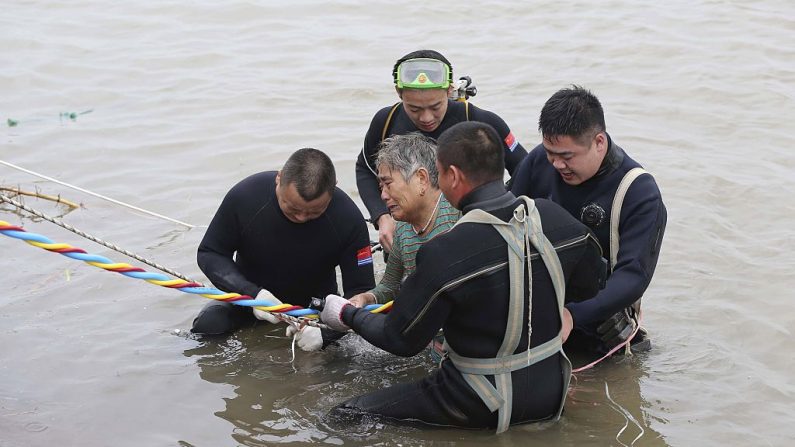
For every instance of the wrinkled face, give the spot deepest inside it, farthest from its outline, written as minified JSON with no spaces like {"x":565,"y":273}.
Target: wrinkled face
{"x":401,"y":197}
{"x":295,"y":208}
{"x":425,"y":107}
{"x":576,"y":162}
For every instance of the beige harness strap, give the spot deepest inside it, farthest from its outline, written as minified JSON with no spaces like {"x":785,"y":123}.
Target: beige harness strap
{"x":615,"y":211}
{"x":523,"y":230}
{"x":389,"y":120}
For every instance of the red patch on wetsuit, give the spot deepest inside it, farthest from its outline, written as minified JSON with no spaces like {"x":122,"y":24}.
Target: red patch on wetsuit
{"x":511,"y":141}
{"x":364,"y":256}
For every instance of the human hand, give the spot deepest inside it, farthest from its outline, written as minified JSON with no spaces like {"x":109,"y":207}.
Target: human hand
{"x":332,"y":312}
{"x":309,"y":338}
{"x":263,"y":315}
{"x":568,"y":324}
{"x":386,"y":231}
{"x":362,"y":299}
{"x":617,"y":329}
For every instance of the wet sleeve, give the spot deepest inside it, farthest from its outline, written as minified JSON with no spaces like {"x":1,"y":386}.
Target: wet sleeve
{"x":589,"y":274}
{"x":514,"y":151}
{"x":366,"y":170}
{"x":417,"y":314}
{"x":217,"y":248}
{"x":640,"y":236}
{"x":393,"y":275}
{"x":356,"y":260}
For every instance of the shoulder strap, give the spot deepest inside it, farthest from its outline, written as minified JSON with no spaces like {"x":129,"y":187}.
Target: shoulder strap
{"x":524,"y":229}
{"x":389,"y":120}
{"x":480,"y":216}
{"x":615,"y":211}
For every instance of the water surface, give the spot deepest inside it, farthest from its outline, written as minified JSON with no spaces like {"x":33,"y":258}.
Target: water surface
{"x":186,"y":99}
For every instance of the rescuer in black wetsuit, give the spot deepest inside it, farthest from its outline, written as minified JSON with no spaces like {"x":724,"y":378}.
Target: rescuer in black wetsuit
{"x":423,"y":81}
{"x":580,"y":167}
{"x":279,"y":236}
{"x":473,"y":284}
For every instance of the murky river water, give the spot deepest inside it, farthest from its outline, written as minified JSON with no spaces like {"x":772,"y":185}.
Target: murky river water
{"x":186,"y":98}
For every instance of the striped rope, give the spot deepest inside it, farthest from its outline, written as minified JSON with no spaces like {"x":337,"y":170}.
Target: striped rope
{"x":289,"y":312}
{"x":64,"y":225}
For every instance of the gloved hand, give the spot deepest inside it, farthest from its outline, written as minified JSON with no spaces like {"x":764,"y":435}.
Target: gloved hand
{"x":617,"y":329}
{"x":261,"y":314}
{"x":309,"y":338}
{"x":332,"y":312}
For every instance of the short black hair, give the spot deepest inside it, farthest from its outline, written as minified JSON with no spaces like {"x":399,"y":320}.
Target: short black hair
{"x":421,"y":54}
{"x":312,"y":173}
{"x":475,"y":148}
{"x":572,"y":112}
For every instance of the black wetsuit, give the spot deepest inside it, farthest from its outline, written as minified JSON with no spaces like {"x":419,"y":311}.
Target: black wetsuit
{"x":251,"y":245}
{"x":401,"y":124}
{"x":641,"y":228}
{"x":460,"y":286}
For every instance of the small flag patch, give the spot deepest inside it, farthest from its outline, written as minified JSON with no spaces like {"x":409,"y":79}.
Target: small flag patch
{"x":364,"y":256}
{"x":511,"y":141}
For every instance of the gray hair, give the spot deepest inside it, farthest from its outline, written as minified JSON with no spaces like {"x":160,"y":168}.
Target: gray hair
{"x":408,"y":153}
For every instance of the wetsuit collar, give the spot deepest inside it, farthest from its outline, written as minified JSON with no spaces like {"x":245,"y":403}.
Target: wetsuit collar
{"x":613,"y":158}
{"x":489,"y":196}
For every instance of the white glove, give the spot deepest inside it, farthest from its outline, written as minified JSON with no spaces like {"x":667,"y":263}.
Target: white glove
{"x":332,"y":312}
{"x":309,"y":338}
{"x":261,"y":314}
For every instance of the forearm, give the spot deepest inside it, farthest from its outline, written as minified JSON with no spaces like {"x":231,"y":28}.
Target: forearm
{"x":640,"y":243}
{"x":384,"y":292}
{"x":410,"y":325}
{"x":225,"y":274}
{"x":357,"y":280}
{"x":374,"y":328}
{"x":356,"y":260}
{"x":589,"y":274}
{"x":623,"y":288}
{"x":389,"y":286}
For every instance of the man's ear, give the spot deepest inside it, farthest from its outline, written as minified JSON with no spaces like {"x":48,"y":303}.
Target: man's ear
{"x":399,"y":92}
{"x":458,"y":177}
{"x":601,"y":142}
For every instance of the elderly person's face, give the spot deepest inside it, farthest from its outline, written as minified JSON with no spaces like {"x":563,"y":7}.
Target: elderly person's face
{"x":403,"y":197}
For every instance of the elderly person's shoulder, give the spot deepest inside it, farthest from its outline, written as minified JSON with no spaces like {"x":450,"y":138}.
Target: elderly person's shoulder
{"x":447,"y":212}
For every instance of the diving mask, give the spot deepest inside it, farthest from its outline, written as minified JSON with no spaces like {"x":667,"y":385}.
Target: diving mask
{"x":423,"y":73}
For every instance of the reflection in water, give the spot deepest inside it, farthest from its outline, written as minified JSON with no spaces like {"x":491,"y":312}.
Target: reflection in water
{"x":606,"y":403}
{"x":278,"y":401}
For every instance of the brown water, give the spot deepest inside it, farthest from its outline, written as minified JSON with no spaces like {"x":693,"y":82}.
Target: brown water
{"x":187,"y":98}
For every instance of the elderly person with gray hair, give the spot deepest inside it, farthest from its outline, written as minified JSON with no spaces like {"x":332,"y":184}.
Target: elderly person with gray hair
{"x":409,"y":184}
